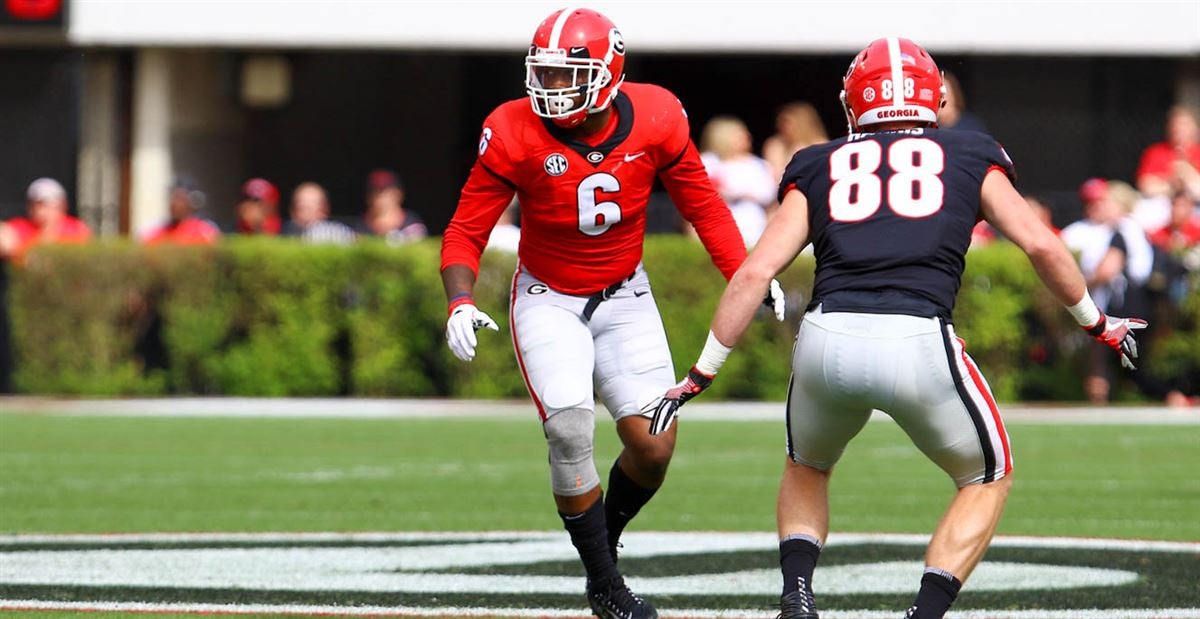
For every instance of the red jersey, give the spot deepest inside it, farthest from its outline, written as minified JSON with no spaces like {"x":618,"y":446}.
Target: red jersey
{"x":1158,"y":158}
{"x":191,"y":231}
{"x":583,"y":203}
{"x":1170,"y":239}
{"x":271,"y":225}
{"x":28,"y":234}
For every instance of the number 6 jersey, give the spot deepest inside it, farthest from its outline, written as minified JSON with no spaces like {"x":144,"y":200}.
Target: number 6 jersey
{"x":583,"y":203}
{"x":890,"y":216}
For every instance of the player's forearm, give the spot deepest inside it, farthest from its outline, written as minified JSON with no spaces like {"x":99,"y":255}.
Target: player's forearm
{"x":458,"y":280}
{"x":1057,"y":269}
{"x":734,"y":312}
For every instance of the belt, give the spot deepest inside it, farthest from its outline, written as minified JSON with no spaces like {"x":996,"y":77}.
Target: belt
{"x":596,"y":299}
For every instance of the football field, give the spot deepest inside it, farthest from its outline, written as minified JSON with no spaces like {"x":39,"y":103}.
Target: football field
{"x":341,"y":512}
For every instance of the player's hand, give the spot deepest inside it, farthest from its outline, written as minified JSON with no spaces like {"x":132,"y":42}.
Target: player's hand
{"x":464,"y":321}
{"x":775,"y":300}
{"x":1117,"y":333}
{"x":675,"y":397}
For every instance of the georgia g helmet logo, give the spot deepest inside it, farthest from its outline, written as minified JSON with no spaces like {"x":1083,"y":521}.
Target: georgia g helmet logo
{"x":616,"y":44}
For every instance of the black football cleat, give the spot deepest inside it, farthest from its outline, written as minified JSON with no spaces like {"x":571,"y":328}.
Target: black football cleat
{"x":612,"y":550}
{"x":612,"y":599}
{"x":797,"y":605}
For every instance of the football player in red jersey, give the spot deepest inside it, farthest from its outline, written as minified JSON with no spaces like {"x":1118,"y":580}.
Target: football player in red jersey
{"x":582,"y":153}
{"x":889,"y":210}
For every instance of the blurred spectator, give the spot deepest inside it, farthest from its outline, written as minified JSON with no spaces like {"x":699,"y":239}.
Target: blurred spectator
{"x":797,"y":126}
{"x":1175,"y":160}
{"x":506,"y":236}
{"x":184,"y":226}
{"x":954,"y":114}
{"x":258,"y":210}
{"x":1133,"y":257}
{"x":386,"y":215}
{"x":744,"y":180}
{"x":1139,"y":253}
{"x":1043,"y":212}
{"x":1183,"y":230}
{"x":1091,"y":238}
{"x":46,"y":222}
{"x":310,"y":217}
{"x":1153,"y":212}
{"x":1117,"y":271}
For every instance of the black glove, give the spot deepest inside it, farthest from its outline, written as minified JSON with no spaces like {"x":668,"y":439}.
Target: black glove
{"x":668,"y":407}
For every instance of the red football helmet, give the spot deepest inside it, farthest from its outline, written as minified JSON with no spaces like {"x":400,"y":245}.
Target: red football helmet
{"x":575,"y":66}
{"x":892,"y":80}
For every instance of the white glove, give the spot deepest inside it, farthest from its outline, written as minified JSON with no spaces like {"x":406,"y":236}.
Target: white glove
{"x":775,"y":300}
{"x":1117,"y":333}
{"x":464,"y":321}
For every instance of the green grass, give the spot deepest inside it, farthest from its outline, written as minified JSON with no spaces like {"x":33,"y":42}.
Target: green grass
{"x":97,"y":475}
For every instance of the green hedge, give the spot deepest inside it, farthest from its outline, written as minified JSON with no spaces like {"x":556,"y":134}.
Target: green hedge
{"x":278,"y":318}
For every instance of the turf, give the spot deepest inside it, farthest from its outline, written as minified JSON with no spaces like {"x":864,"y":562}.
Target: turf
{"x":115,"y":474}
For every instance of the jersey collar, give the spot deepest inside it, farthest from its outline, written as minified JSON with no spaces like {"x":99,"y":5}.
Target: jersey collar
{"x":596,"y":155}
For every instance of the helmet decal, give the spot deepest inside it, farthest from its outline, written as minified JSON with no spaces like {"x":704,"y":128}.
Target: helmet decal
{"x":616,"y":44}
{"x":559,"y":24}
{"x":893,"y":47}
{"x":892,"y":79}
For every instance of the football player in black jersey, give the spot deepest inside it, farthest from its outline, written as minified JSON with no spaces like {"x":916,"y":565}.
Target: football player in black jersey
{"x":889,"y":210}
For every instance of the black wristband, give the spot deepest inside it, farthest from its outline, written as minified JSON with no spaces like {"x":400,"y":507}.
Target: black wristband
{"x":699,"y":378}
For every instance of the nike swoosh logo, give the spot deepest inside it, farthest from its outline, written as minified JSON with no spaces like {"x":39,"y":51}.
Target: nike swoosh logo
{"x":639,"y":293}
{"x":632,"y":156}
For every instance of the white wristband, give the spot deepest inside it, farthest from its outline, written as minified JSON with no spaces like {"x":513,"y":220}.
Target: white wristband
{"x":1085,"y":311}
{"x":713,"y":356}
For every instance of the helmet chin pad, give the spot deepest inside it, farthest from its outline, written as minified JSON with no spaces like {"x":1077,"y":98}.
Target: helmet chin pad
{"x":571,"y":121}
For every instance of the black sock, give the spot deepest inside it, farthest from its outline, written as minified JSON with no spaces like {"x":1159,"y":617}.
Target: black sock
{"x":624,"y":499}
{"x":938,"y":591}
{"x":590,"y":537}
{"x":797,"y":559}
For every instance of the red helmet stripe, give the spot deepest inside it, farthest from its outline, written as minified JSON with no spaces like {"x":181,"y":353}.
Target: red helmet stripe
{"x":893,"y":47}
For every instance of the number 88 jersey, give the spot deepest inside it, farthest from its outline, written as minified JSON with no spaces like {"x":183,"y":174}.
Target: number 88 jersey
{"x":890,"y":216}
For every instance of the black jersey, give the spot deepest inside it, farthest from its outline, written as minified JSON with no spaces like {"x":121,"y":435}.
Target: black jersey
{"x":890,"y":215}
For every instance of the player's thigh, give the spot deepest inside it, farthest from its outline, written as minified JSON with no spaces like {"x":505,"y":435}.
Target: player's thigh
{"x":949,"y":412}
{"x":555,"y":353}
{"x":633,"y":361}
{"x":822,"y":415}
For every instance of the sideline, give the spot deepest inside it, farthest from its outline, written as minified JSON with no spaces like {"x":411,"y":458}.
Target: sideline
{"x":355,"y":408}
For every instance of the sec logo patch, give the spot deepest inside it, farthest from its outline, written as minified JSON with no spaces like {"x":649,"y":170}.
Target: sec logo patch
{"x":556,"y":165}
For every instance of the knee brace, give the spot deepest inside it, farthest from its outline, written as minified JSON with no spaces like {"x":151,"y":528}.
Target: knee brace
{"x":569,"y":435}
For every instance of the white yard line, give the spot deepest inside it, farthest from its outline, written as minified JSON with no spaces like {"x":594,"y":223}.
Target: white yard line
{"x":451,"y":611}
{"x":641,"y":539}
{"x":768,"y":539}
{"x":347,"y":408}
